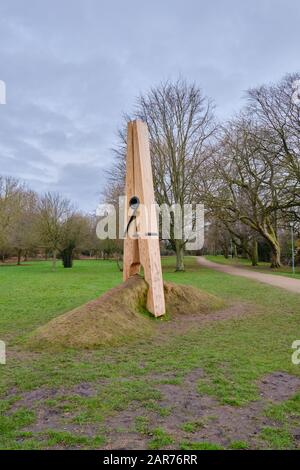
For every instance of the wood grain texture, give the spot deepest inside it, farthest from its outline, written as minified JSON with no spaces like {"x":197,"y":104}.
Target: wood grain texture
{"x":143,"y":250}
{"x":131,"y":263}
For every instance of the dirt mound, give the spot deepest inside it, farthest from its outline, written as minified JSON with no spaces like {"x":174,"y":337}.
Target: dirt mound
{"x":187,"y":300}
{"x":118,"y":316}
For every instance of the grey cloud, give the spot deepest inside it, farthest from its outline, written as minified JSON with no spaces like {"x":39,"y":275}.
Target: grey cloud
{"x":73,"y":67}
{"x":74,"y":178}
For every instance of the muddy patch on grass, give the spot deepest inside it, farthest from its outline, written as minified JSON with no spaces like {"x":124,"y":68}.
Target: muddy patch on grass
{"x":182,"y":412}
{"x":191,"y":321}
{"x":162,"y":376}
{"x":126,"y":441}
{"x":33,"y":398}
{"x":187,"y":415}
{"x":48,"y":419}
{"x":128,"y":429}
{"x":58,"y":416}
{"x":279,"y":386}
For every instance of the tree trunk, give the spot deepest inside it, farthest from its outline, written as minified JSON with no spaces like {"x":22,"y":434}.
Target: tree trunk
{"x":19,"y":257}
{"x":179,"y":255}
{"x":270,"y":235}
{"x":54,"y":260}
{"x":254,"y":253}
{"x":275,"y":256}
{"x":246,"y":252}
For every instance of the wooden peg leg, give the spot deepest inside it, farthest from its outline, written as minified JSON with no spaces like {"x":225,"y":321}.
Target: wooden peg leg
{"x":145,"y":249}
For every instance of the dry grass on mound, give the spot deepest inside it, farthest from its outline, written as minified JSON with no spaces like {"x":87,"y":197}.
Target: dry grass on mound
{"x":117,"y":316}
{"x":187,"y":300}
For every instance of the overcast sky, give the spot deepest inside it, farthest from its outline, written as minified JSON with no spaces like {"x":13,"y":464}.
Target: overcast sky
{"x":73,"y":67}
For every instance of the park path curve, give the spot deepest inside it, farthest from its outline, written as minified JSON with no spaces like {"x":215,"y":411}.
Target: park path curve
{"x":292,"y":285}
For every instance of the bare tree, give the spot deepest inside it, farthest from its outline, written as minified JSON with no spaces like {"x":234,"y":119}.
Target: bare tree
{"x":74,"y":233}
{"x":11,"y":191}
{"x":250,"y":184}
{"x":23,"y":236}
{"x":276,"y":108}
{"x":53,"y":213}
{"x":181,"y":124}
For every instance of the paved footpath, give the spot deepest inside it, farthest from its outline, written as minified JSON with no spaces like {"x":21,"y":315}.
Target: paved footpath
{"x":293,"y":285}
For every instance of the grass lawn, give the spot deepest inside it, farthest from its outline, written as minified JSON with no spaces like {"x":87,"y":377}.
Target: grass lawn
{"x":145,"y":394}
{"x":263,"y":267}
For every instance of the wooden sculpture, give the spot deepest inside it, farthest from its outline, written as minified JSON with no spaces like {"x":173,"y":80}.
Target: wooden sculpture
{"x":141,"y":243}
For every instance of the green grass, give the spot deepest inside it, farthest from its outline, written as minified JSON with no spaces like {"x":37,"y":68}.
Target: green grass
{"x":142,"y":424}
{"x":238,"y":445}
{"x":262,"y":267}
{"x":32,"y":294}
{"x":278,"y":439}
{"x":234,"y":354}
{"x":285,"y":412}
{"x":192,"y":426}
{"x":11,"y":425}
{"x":65,"y":438}
{"x":233,"y":261}
{"x":160,"y":439}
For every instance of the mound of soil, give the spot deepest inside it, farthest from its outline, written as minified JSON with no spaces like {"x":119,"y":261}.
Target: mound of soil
{"x":118,"y":316}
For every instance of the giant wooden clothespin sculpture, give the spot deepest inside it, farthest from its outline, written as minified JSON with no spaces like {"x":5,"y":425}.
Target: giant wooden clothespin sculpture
{"x":141,"y":244}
